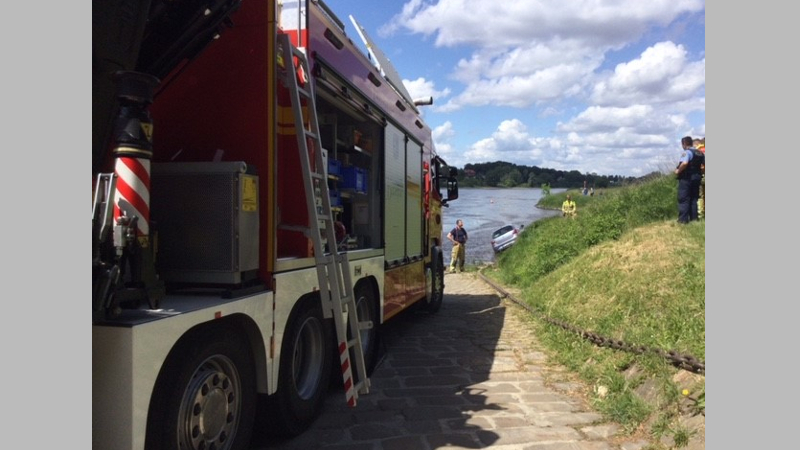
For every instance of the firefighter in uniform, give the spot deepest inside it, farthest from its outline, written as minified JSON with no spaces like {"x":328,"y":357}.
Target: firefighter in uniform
{"x":689,"y":172}
{"x":569,"y":208}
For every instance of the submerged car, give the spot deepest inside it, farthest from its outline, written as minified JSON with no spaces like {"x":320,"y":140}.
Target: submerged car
{"x":504,"y":237}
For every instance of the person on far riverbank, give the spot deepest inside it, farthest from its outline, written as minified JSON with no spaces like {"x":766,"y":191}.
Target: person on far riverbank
{"x":569,"y":208}
{"x":689,"y":173}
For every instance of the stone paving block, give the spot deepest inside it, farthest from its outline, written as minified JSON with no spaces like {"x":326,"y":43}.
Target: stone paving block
{"x":543,"y":397}
{"x":648,"y":391}
{"x":551,"y":446}
{"x":554,"y":407}
{"x":385,"y":383}
{"x":314,"y":438}
{"x":439,"y":380}
{"x":334,"y":421}
{"x":403,"y":443}
{"x":374,"y":431}
{"x":418,"y":392}
{"x":600,"y":431}
{"x":534,"y":386}
{"x":447,"y":370}
{"x":385,"y":417}
{"x":500,"y":388}
{"x":561,"y":419}
{"x":364,"y":446}
{"x":443,"y":400}
{"x":493,"y":410}
{"x":405,"y":372}
{"x":472,"y":361}
{"x":418,"y":355}
{"x":423,"y":427}
{"x":430,"y":413}
{"x":513,"y":376}
{"x":394,"y":404}
{"x":416,"y":362}
{"x":509,"y":422}
{"x":384,"y":372}
{"x":569,"y":386}
{"x":468,"y":423}
{"x":593,"y":445}
{"x":452,"y":441}
{"x":489,"y":399}
{"x":527,"y":435}
{"x":636,"y":445}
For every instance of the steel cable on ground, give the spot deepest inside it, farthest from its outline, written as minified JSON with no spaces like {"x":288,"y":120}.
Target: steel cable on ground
{"x":686,"y":362}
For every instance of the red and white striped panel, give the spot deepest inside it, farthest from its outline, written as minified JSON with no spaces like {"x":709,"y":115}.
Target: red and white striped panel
{"x":133,"y":191}
{"x":347,"y":374}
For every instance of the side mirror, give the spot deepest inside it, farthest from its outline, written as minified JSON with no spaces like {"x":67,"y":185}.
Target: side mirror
{"x":452,"y":184}
{"x":452,"y":189}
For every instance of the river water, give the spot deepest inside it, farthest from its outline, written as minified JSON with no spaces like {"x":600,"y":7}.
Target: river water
{"x":484,"y":210}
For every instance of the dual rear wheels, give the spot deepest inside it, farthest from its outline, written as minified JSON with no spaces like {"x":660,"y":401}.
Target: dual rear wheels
{"x":206,"y":397}
{"x":310,"y":359}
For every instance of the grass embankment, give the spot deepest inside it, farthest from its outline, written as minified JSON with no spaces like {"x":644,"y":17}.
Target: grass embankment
{"x":623,"y":269}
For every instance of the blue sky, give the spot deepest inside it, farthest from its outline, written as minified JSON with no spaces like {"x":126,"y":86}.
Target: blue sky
{"x":599,"y":86}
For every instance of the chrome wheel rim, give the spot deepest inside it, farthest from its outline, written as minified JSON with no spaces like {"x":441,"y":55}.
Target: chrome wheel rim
{"x":307,"y":360}
{"x":209,"y":414}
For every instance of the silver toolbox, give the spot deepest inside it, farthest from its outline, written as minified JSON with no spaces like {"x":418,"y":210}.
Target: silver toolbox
{"x":206,"y":216}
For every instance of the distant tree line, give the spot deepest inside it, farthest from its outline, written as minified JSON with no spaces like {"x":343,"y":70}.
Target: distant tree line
{"x":505,"y":174}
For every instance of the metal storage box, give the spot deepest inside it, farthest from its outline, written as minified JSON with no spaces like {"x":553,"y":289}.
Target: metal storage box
{"x":206,"y":217}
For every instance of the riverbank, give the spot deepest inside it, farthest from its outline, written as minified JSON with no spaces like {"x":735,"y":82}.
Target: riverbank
{"x":612,"y":272}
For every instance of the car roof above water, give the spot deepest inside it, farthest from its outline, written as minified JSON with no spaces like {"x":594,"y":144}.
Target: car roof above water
{"x":502,"y":231}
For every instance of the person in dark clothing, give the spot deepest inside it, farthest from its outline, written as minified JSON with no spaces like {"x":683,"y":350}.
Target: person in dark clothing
{"x":458,"y":236}
{"x":689,"y":173}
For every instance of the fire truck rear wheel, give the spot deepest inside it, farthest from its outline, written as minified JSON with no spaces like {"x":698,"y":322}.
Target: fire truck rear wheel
{"x":206,"y":396}
{"x":366,"y":308}
{"x":304,"y":368}
{"x":435,"y":279}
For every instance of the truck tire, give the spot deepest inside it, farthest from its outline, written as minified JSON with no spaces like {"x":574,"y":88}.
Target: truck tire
{"x":367,"y":310}
{"x":205,"y":396}
{"x":305,"y":366}
{"x":434,"y":275}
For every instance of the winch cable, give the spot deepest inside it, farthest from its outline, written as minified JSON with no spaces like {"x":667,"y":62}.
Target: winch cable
{"x":682,"y":361}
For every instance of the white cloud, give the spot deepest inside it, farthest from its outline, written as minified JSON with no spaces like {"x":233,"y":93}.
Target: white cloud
{"x":443,"y":132}
{"x":441,"y":137}
{"x":510,"y":142}
{"x":598,"y":23}
{"x":421,"y":88}
{"x":661,"y":74}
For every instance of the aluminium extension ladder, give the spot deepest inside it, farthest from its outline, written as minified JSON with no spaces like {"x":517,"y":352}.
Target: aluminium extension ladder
{"x":333,"y":268}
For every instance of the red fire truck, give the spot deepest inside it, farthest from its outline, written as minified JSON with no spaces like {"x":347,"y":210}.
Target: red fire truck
{"x":265,"y":196}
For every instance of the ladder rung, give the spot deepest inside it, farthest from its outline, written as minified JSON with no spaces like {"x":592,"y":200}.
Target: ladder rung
{"x":352,"y":342}
{"x":312,"y":135}
{"x":304,"y":92}
{"x":360,"y":387}
{"x":317,"y":175}
{"x":299,"y":228}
